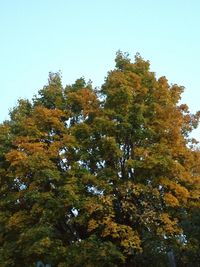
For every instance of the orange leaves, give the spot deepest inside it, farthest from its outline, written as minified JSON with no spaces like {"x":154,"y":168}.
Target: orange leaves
{"x":125,"y":235}
{"x":31,"y":128}
{"x":116,"y":169}
{"x":93,"y":206}
{"x":89,"y":100}
{"x":84,"y":100}
{"x":16,"y":157}
{"x":54,"y":149}
{"x":105,"y":224}
{"x":168,"y":225}
{"x":171,"y":200}
{"x":127,"y":238}
{"x":179,"y":191}
{"x":111,"y":228}
{"x":92,"y":225}
{"x":48,"y":117}
{"x":31,"y":148}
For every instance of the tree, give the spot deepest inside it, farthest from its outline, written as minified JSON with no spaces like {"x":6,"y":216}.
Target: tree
{"x":105,"y":177}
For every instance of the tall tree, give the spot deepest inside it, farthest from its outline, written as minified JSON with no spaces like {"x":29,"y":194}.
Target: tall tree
{"x":105,"y":177}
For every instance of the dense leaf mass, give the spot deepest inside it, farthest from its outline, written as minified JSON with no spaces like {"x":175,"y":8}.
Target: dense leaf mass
{"x":101,"y":177}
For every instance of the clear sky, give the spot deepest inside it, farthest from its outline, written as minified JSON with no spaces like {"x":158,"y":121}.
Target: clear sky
{"x":80,"y":38}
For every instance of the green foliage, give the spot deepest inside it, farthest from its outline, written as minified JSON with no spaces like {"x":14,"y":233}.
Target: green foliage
{"x":107,"y":178}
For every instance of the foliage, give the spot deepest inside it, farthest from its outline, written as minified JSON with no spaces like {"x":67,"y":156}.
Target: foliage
{"x":105,"y":177}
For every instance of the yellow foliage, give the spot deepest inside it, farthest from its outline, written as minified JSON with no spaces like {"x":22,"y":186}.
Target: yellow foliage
{"x":171,"y":200}
{"x":51,"y":117}
{"x":32,"y":148}
{"x":181,"y":192}
{"x":128,"y":238}
{"x":92,"y":207}
{"x":168,"y":226}
{"x":15,"y":157}
{"x":92,"y":225}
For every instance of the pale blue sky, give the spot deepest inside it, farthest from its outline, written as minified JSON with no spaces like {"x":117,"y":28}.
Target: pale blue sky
{"x":80,"y":38}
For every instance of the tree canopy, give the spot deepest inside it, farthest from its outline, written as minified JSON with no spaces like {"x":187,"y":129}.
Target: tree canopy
{"x":101,"y":177}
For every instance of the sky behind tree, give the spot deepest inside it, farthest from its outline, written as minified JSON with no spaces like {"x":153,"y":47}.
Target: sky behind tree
{"x":80,"y":38}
